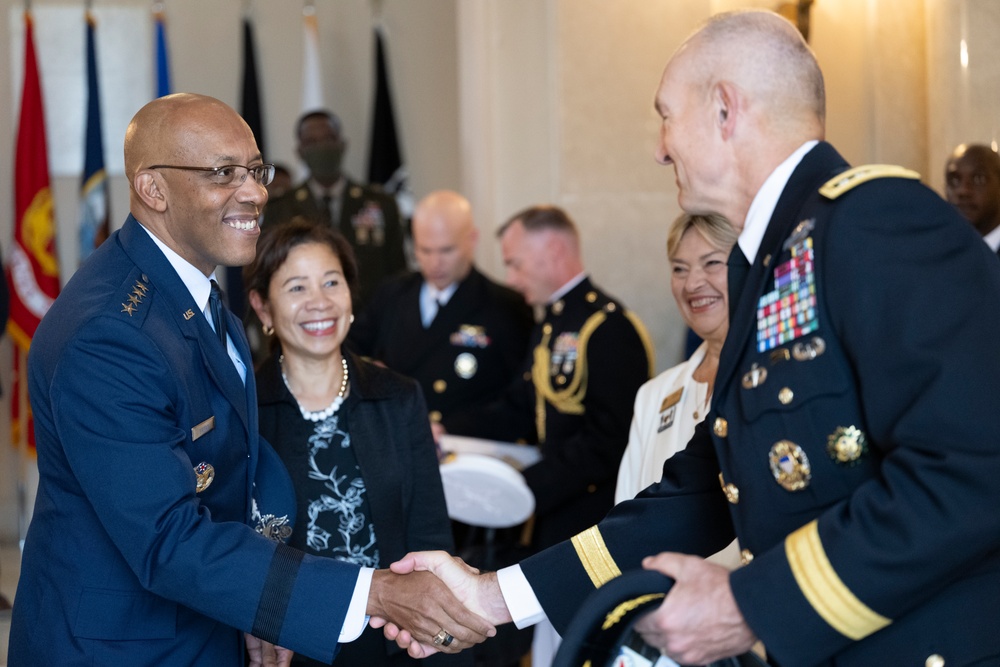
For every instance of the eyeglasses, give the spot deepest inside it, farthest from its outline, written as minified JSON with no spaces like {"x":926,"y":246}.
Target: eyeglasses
{"x":230,"y":175}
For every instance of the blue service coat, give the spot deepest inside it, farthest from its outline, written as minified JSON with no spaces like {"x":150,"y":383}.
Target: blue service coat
{"x":125,"y":563}
{"x":885,"y":553}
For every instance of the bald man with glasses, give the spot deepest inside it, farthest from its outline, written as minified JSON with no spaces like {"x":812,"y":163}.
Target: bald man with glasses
{"x":156,"y":497}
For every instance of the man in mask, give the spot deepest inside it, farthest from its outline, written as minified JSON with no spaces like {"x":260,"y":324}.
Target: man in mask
{"x":365,"y":215}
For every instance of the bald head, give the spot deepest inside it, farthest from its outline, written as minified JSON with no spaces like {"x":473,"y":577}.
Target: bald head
{"x":972,"y":184}
{"x":737,"y":98}
{"x":183,"y":160}
{"x":766,"y":56}
{"x":172,"y":128}
{"x":444,"y":237}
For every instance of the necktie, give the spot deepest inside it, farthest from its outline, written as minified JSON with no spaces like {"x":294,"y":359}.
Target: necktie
{"x":328,"y":208}
{"x":431,"y":308}
{"x":218,"y":313}
{"x":739,"y":267}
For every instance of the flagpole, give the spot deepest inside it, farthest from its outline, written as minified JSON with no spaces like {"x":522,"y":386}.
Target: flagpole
{"x":22,"y":446}
{"x":22,"y":431}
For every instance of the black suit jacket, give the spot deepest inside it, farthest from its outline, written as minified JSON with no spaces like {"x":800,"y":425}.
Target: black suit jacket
{"x":883,"y":554}
{"x":392,"y":441}
{"x":598,"y":355}
{"x":369,"y":220}
{"x":469,"y":354}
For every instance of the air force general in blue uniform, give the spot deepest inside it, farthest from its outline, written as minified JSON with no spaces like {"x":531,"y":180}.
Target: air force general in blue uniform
{"x":143,"y":549}
{"x":126,"y":561}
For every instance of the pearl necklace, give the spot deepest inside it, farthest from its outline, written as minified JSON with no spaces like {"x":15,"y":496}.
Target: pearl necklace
{"x":318,"y":415}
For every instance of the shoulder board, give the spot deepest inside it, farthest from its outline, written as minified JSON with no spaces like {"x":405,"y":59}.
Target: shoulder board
{"x":598,"y":301}
{"x":852,"y":178}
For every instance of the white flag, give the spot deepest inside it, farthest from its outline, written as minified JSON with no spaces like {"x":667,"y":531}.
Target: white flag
{"x":312,"y":78}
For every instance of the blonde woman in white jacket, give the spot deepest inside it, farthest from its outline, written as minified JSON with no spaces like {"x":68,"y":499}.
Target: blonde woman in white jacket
{"x":668,"y":407}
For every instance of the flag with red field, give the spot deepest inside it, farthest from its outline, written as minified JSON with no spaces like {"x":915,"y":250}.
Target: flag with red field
{"x":33,"y":266}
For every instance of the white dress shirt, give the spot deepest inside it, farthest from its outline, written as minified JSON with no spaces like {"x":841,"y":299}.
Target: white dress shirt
{"x":200,"y":288}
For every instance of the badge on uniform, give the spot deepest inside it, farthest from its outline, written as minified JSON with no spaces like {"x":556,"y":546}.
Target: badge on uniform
{"x":204,"y":476}
{"x":789,"y":310}
{"x":133,"y":299}
{"x":755,"y":377}
{"x":668,"y":410}
{"x":369,"y":225}
{"x":466,"y":365}
{"x":564,"y":353}
{"x":789,"y":465}
{"x":846,"y":445}
{"x":470,"y":335}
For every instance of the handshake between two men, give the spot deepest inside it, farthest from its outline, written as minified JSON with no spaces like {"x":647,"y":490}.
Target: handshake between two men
{"x":431,"y":602}
{"x":699,"y":621}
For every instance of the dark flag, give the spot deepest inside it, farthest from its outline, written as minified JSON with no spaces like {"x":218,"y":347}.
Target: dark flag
{"x":385,"y":164}
{"x":251,"y":112}
{"x":250,"y":95}
{"x":384,"y":161}
{"x":94,"y":222}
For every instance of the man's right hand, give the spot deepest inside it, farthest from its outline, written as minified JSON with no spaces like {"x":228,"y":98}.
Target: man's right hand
{"x":480,"y":594}
{"x":422,"y":604}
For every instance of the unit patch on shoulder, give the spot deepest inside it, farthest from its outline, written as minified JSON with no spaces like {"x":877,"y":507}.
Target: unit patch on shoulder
{"x":852,"y":178}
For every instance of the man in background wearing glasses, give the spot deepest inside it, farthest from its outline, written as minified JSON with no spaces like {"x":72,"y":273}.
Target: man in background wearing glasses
{"x":148,"y":544}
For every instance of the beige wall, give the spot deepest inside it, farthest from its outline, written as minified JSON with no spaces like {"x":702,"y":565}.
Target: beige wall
{"x":521,"y":101}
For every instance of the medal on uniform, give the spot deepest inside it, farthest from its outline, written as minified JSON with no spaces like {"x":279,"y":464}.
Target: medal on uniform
{"x":204,"y":476}
{"x":754,"y":377}
{"x":564,"y":353}
{"x":809,"y":350}
{"x":470,"y":335}
{"x":789,"y":465}
{"x":846,"y":445}
{"x":789,"y":310}
{"x":466,"y":365}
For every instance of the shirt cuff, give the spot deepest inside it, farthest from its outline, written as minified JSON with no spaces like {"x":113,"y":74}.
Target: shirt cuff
{"x":524,"y":608}
{"x":356,"y":620}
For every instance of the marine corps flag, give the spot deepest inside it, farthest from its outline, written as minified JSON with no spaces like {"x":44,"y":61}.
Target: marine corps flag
{"x":33,"y":268}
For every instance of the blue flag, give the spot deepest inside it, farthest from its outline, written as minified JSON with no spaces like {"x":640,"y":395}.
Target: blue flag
{"x":162,"y":60}
{"x":94,"y":226}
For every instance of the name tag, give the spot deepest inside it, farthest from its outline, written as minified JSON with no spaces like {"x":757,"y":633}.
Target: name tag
{"x":202,"y":428}
{"x":668,"y":410}
{"x":671,"y":400}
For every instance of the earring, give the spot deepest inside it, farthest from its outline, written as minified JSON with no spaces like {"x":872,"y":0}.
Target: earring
{"x":268,"y":330}
{"x":352,"y":318}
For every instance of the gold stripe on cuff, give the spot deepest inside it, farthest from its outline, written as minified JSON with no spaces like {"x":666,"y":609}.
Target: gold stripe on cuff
{"x":595,"y":557}
{"x":823,"y":588}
